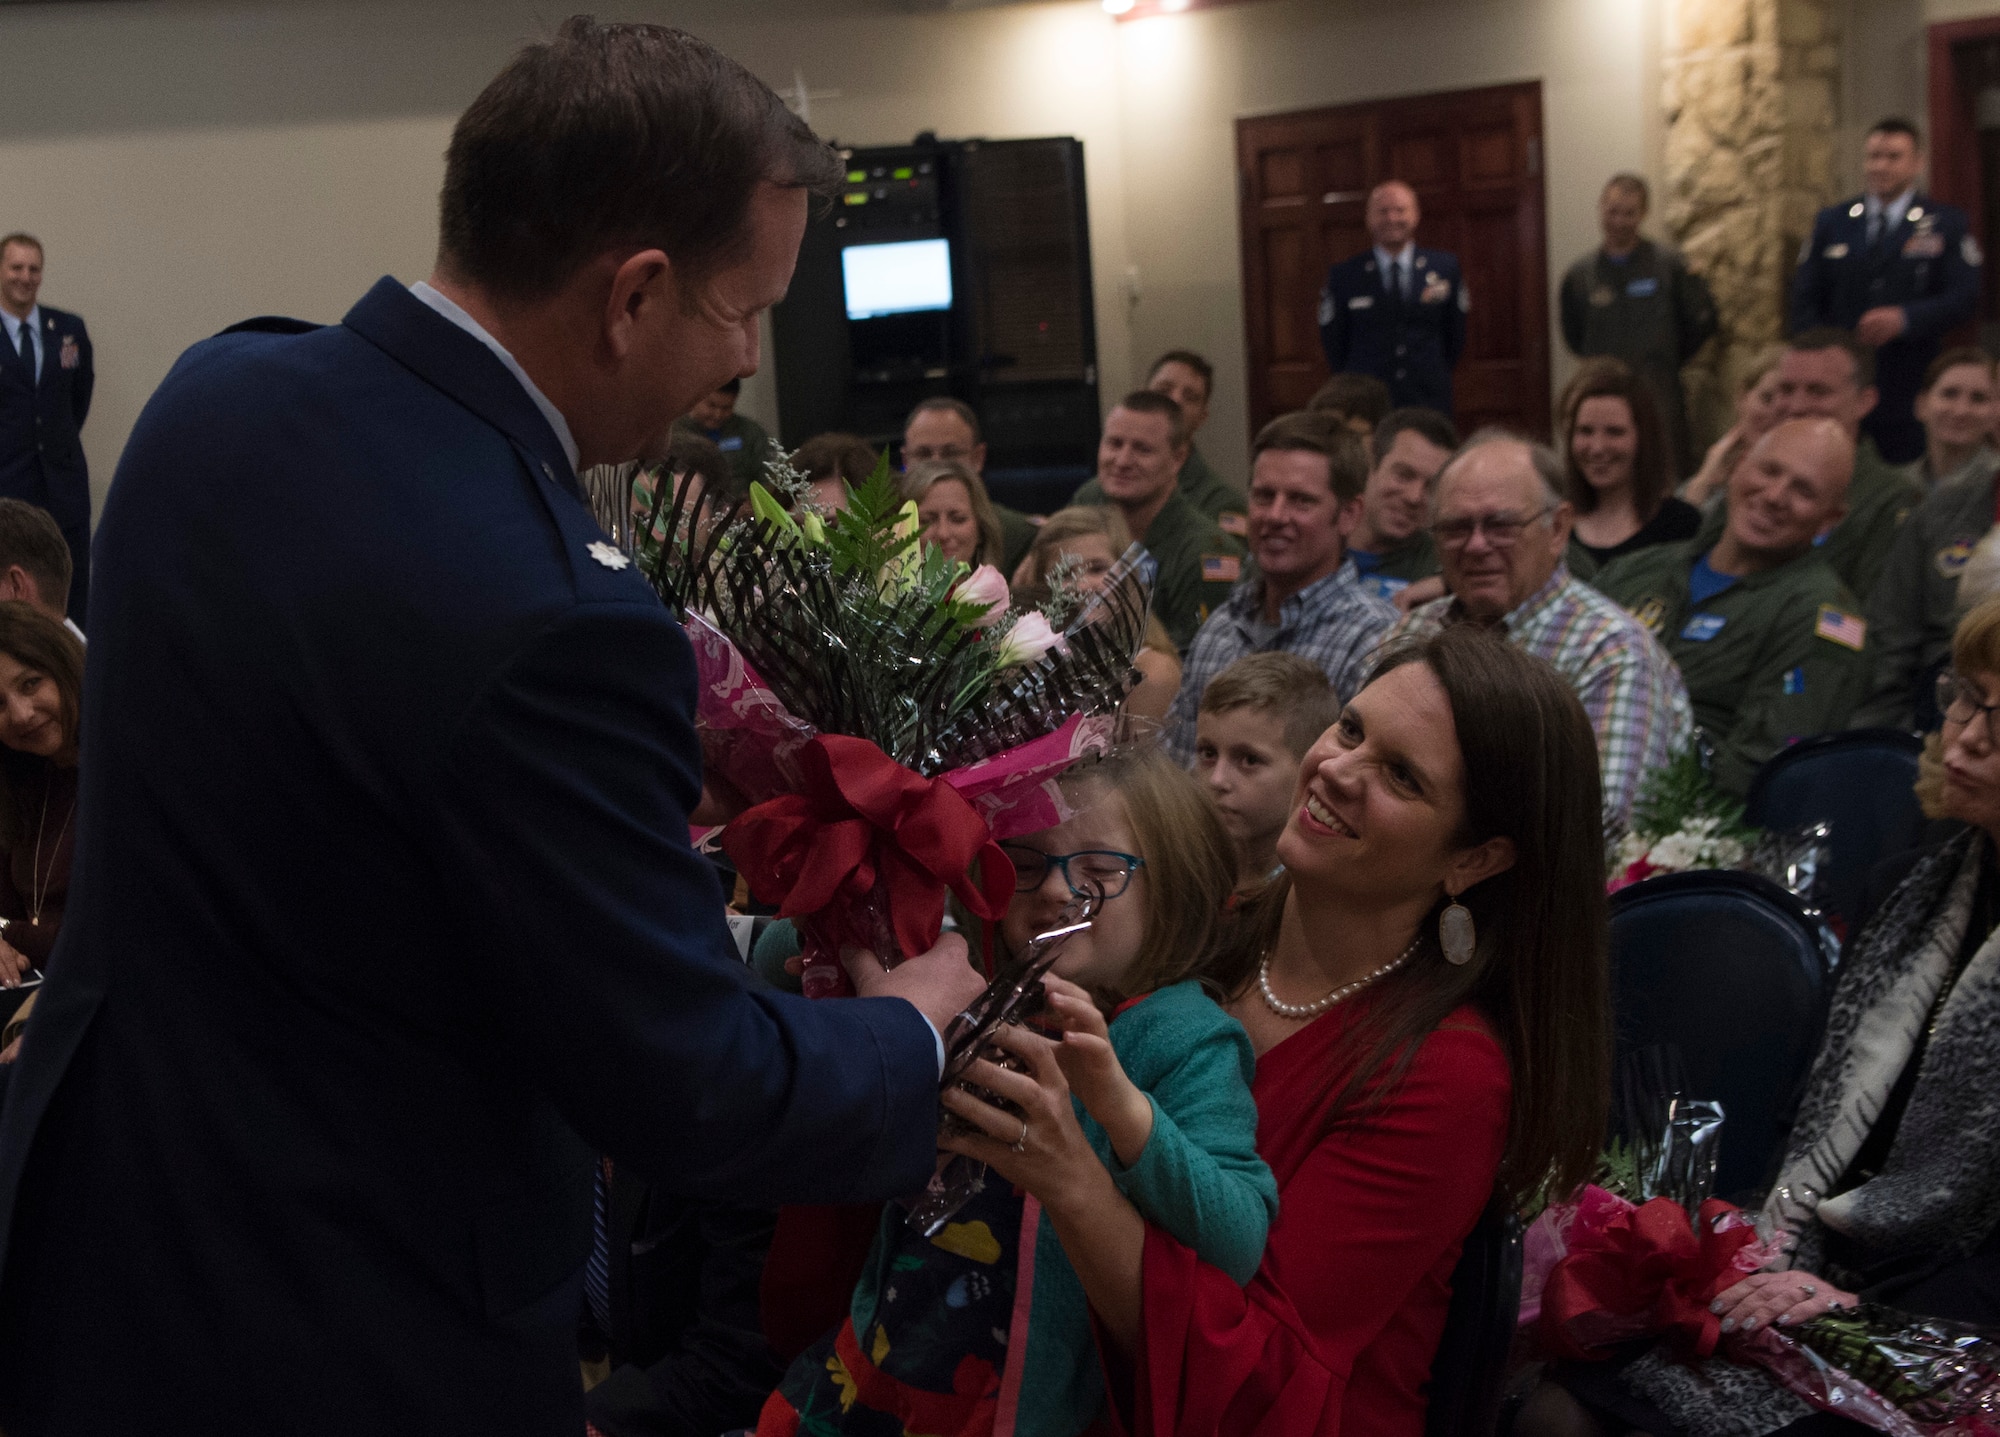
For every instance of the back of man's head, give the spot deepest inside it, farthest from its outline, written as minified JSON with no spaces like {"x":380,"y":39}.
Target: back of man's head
{"x":1360,"y":399}
{"x":31,"y":542}
{"x":614,"y":136}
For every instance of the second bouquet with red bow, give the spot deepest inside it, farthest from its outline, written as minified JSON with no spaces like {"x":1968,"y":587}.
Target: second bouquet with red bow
{"x":887,"y":712}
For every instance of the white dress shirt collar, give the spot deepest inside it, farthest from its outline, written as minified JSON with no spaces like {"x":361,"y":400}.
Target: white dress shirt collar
{"x":1407,"y":254}
{"x":471,"y":326}
{"x":34,"y":323}
{"x":1894,"y":209}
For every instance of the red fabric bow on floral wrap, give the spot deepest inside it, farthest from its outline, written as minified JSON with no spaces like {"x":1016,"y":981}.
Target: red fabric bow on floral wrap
{"x":862,"y":855}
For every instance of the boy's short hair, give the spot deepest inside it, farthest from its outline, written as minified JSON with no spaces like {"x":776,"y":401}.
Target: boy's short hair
{"x":1295,"y":689}
{"x":1353,"y":396}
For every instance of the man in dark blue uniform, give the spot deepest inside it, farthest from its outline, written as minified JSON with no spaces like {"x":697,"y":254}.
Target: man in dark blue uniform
{"x":1897,"y":269}
{"x":45,"y":383}
{"x":1395,"y":311}
{"x":384,"y":920}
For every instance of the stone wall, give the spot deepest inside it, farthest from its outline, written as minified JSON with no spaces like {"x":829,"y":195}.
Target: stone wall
{"x":1751,"y":102}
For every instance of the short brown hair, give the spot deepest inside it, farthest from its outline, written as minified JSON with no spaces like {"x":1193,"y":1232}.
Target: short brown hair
{"x":1605,"y":378}
{"x":1632,"y":185}
{"x":945,"y":404}
{"x":1824,"y":337}
{"x":1952,"y":359}
{"x":920,"y":479}
{"x":1975,"y":649}
{"x":847,"y":457}
{"x":30,"y":537}
{"x":1149,"y":401}
{"x":38,"y":642}
{"x":1304,"y":431}
{"x":1294,"y":689}
{"x":24,"y":238}
{"x":1353,"y":396}
{"x":1193,"y":361}
{"x":611,"y":136}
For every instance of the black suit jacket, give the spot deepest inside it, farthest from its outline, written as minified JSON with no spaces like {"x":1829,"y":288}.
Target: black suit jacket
{"x":41,"y":444}
{"x":384,"y":919}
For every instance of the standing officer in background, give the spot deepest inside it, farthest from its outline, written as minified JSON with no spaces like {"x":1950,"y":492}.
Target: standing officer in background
{"x":1395,"y":311}
{"x":45,"y":383}
{"x":1898,"y":270}
{"x":1637,"y":301}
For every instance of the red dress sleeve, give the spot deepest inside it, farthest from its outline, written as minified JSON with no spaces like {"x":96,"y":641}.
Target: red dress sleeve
{"x":1336,"y":1332}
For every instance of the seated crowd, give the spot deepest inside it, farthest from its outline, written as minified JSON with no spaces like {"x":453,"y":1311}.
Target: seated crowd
{"x":1360,"y":669}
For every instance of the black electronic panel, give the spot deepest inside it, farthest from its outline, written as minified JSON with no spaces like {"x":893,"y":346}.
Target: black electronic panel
{"x":959,"y":268}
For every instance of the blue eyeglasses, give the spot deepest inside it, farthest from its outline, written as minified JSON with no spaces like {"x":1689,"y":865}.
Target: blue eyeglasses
{"x":1103,"y":872}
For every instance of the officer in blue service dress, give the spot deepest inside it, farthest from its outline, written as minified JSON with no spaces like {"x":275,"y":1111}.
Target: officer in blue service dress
{"x":1899,"y":270}
{"x":1396,"y":311}
{"x":45,"y":383}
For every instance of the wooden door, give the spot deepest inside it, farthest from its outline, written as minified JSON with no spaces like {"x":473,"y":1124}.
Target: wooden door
{"x":1474,"y":159}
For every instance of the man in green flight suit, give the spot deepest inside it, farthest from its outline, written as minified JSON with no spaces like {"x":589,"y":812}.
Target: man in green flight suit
{"x":741,"y":439}
{"x":1189,"y":380}
{"x":1391,"y":545}
{"x":1770,"y":642}
{"x":1138,"y":457}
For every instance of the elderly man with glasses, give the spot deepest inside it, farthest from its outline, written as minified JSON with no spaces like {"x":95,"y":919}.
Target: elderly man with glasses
{"x":1501,"y":525}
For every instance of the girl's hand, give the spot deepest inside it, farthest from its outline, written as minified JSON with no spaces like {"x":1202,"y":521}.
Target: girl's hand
{"x":1094,"y":1073}
{"x":1045,"y":1151}
{"x":1779,"y":1299}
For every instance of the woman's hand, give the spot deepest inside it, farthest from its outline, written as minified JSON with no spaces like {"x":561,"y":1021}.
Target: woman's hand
{"x":1094,"y":1072}
{"x":1780,"y":1299}
{"x":14,"y":965}
{"x":1712,"y":474}
{"x":1045,"y":1152}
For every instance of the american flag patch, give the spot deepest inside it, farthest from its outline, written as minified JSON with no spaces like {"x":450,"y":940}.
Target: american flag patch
{"x":1221,"y":568}
{"x":1841,"y":627}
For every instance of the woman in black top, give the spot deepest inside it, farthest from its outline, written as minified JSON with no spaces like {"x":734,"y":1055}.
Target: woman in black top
{"x":1615,"y":455}
{"x":41,"y":687}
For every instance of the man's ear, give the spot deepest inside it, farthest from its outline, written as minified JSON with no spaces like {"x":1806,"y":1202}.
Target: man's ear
{"x":17,"y":583}
{"x":1869,"y":398}
{"x":641,"y":282}
{"x":1562,"y":522}
{"x":1349,"y":517}
{"x":976,"y":460}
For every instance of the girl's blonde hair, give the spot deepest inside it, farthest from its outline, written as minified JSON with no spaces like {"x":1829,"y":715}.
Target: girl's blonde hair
{"x":920,"y":479}
{"x":1079,"y":521}
{"x":1975,"y":649}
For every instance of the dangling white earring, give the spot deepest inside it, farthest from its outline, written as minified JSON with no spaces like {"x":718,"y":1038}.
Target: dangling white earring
{"x":1455,"y":933}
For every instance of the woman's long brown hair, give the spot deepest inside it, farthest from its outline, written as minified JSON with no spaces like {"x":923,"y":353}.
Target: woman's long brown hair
{"x":1652,"y":473}
{"x":1539,"y":973}
{"x":38,"y":642}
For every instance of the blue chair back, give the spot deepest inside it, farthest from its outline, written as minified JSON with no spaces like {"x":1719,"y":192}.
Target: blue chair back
{"x":1862,"y":784}
{"x":1469,"y":1373}
{"x":1725,"y":971}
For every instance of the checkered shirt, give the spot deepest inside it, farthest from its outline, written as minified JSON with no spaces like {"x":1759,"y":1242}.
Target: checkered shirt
{"x":1336,"y":622}
{"x":1629,"y":685}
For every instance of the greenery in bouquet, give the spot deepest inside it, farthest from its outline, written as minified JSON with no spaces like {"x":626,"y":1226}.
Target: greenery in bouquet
{"x":1681,"y":821}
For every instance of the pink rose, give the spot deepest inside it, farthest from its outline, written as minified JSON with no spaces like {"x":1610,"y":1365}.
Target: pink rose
{"x":985,"y":586}
{"x":1028,"y":640}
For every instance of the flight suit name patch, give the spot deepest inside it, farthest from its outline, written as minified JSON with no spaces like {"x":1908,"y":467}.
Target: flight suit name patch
{"x":1703,"y":627}
{"x":1951,"y":559}
{"x":1642,"y":288}
{"x":1848,"y":630}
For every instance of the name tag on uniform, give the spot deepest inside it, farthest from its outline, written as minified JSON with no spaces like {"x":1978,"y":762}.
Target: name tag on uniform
{"x":1703,"y":627}
{"x":730,"y":444}
{"x":1362,"y":301}
{"x":1834,"y":251}
{"x":1794,"y":681}
{"x":1221,"y":568}
{"x":1642,"y":288}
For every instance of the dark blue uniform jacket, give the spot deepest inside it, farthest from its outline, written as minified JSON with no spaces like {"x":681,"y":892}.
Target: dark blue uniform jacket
{"x":1410,"y":344}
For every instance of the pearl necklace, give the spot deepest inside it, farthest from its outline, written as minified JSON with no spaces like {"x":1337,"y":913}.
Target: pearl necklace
{"x":1296,"y":1011}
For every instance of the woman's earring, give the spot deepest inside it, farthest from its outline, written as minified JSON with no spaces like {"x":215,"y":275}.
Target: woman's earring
{"x":1455,"y":933}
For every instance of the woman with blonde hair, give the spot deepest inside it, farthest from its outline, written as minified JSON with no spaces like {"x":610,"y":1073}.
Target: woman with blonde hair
{"x":1091,"y":538}
{"x":954,"y":512}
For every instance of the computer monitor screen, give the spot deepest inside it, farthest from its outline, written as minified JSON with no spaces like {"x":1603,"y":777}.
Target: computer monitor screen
{"x":904,"y":277}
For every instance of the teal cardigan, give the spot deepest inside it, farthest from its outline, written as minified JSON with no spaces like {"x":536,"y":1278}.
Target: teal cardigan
{"x":1199,"y":1178}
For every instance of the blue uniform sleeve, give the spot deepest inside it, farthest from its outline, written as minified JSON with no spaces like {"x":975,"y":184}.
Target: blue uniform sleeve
{"x":86,"y":375}
{"x":1199,"y":1177}
{"x":565,"y":797}
{"x":1955,"y":298}
{"x":1333,"y":325}
{"x":1813,"y":280}
{"x":1454,"y":318}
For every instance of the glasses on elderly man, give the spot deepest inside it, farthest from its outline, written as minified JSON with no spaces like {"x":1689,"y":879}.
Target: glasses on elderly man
{"x":1960,"y":702}
{"x":1100,"y":872}
{"x":1503,"y":531}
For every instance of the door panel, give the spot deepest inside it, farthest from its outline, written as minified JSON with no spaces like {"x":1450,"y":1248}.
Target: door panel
{"x":1473,"y":157}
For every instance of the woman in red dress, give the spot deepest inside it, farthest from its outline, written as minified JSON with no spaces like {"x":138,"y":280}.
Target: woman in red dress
{"x":1426,"y":992}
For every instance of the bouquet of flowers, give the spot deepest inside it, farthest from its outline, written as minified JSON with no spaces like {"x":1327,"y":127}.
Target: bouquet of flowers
{"x":1680,"y":822}
{"x":1611,"y":1266}
{"x":887,"y":713}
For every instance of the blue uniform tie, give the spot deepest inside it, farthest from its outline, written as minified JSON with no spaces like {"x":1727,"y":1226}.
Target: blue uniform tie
{"x":27,"y":337}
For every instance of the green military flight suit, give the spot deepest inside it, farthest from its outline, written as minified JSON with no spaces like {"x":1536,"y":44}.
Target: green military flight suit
{"x":1774,"y":658}
{"x":1879,"y":498}
{"x":1201,"y":486}
{"x":1199,"y":565}
{"x":1017,"y":535}
{"x":1914,"y":608}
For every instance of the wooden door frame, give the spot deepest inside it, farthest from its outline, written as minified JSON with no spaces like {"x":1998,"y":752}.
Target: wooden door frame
{"x":1536,"y":353}
{"x":1954,"y":167}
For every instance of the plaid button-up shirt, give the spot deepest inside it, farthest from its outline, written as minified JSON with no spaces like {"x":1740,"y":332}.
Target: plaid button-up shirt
{"x":1335,"y":622}
{"x":1628,"y":684}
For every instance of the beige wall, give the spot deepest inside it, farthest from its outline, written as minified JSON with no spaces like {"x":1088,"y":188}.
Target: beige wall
{"x":192,"y":162}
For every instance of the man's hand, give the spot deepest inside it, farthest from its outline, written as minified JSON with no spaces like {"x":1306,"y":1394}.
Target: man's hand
{"x":940,"y":982}
{"x":1421,"y":592}
{"x":1881,"y":324}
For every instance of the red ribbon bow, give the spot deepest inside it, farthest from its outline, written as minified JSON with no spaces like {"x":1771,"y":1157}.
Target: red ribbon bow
{"x":861,"y":821}
{"x":1649,"y":1273}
